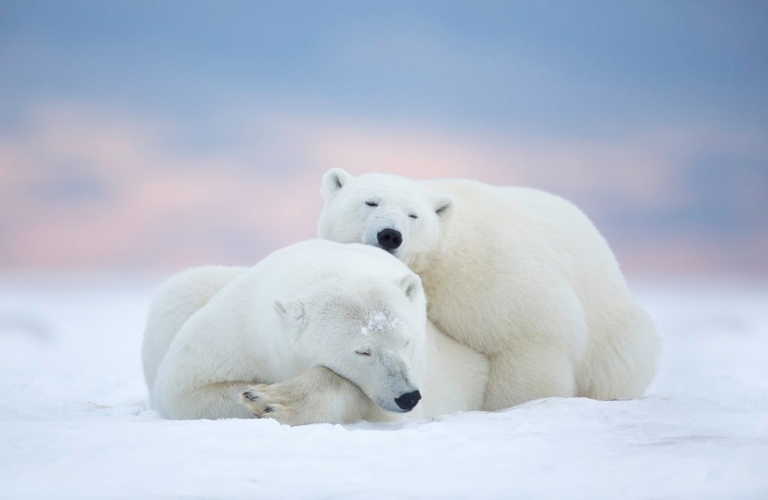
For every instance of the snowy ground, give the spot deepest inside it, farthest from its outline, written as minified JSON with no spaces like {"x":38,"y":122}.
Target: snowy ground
{"x":74,"y":421}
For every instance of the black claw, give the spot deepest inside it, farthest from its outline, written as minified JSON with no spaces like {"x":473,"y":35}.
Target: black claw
{"x":251,"y":396}
{"x":269,"y":409}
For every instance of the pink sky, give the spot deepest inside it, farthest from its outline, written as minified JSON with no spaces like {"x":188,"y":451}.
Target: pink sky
{"x":94,"y":189}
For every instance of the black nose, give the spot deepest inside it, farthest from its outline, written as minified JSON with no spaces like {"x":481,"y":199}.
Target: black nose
{"x":389,"y":239}
{"x":408,"y":400}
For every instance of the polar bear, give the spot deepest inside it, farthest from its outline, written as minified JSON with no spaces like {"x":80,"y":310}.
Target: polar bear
{"x":316,"y":332}
{"x":517,"y":274}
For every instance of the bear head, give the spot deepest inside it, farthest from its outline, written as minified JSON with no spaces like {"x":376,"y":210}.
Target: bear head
{"x":369,"y":331}
{"x":391,"y":212}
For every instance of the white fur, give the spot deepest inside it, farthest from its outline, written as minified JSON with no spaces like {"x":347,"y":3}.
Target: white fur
{"x":517,"y":274}
{"x":316,"y":332}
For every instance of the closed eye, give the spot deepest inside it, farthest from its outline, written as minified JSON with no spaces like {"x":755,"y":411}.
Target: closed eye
{"x":363,"y":353}
{"x":371,"y":203}
{"x":413,"y":216}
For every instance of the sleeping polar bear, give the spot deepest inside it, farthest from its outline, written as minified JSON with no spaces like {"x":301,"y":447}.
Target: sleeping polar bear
{"x":316,"y":332}
{"x":517,"y":274}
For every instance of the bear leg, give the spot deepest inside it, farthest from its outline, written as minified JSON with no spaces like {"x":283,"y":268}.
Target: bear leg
{"x":212,"y":401}
{"x":525,"y":374}
{"x":318,"y":395}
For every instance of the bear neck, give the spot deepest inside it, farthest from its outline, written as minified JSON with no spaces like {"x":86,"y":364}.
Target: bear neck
{"x":431,"y":263}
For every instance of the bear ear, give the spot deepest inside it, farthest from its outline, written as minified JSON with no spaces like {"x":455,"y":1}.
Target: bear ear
{"x":444,"y":207}
{"x":293,"y":310}
{"x":335,"y":179}
{"x":410,"y":284}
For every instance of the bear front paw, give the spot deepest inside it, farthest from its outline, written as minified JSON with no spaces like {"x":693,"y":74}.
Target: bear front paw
{"x":265,"y":401}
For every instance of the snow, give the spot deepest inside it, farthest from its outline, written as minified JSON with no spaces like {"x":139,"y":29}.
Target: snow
{"x":74,"y":420}
{"x":378,"y":321}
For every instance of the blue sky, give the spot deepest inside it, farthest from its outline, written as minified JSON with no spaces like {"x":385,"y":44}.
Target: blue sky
{"x":538,"y":67}
{"x":684,"y":82}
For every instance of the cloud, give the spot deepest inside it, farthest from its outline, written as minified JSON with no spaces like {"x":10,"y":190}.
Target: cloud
{"x":84,"y":187}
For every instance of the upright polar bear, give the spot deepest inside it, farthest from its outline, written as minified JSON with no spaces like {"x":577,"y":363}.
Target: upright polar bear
{"x":517,"y":274}
{"x":316,"y":332}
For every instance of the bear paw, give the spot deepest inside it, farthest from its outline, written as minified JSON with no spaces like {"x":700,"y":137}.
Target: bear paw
{"x":268,"y":401}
